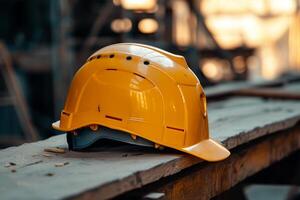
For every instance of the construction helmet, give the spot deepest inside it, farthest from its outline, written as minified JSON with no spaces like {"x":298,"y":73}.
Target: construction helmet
{"x":141,"y":95}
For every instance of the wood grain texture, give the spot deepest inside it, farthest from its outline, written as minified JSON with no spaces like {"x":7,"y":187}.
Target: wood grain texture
{"x":230,"y":88}
{"x":288,"y":91}
{"x":221,"y":176}
{"x":268,"y":93}
{"x":115,"y":170}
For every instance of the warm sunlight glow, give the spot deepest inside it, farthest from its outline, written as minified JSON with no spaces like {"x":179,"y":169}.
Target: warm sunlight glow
{"x":138,"y":4}
{"x":182,"y":21}
{"x":121,"y":25}
{"x":212,"y":70}
{"x":148,"y":26}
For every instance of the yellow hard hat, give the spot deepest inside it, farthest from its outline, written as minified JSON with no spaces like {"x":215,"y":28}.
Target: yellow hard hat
{"x":140,"y":92}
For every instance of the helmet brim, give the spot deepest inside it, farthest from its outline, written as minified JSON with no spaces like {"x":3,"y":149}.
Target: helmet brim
{"x":208,"y":150}
{"x":56,"y":126}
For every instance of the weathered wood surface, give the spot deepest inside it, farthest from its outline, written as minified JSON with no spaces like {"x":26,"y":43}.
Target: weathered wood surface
{"x":226,"y":89}
{"x":269,"y":93}
{"x":113,"y":171}
{"x":207,"y":180}
{"x":289,"y":91}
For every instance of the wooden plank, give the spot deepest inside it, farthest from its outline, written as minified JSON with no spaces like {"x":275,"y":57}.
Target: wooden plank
{"x":268,"y":93}
{"x":292,"y":87}
{"x":223,"y":175}
{"x":226,"y":89}
{"x":111,"y":172}
{"x":286,"y":91}
{"x":239,"y":120}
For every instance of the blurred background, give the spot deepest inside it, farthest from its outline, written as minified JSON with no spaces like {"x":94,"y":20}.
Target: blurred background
{"x":43,"y":43}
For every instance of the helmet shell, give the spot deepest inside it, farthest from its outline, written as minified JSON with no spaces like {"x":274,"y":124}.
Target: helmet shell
{"x":141,"y":90}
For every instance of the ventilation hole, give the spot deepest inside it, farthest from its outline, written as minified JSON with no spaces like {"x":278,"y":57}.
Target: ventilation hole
{"x":139,"y":75}
{"x":146,"y":62}
{"x":98,"y":108}
{"x":111,"y":69}
{"x":91,"y":58}
{"x":65,"y":113}
{"x":99,"y":56}
{"x":112,"y":117}
{"x":111,"y":55}
{"x":177,"y":129}
{"x":128,"y":58}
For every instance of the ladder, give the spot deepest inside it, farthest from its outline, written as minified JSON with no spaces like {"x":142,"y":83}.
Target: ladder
{"x":16,"y":99}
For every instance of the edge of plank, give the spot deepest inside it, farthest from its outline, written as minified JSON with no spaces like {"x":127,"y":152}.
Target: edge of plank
{"x":141,"y":178}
